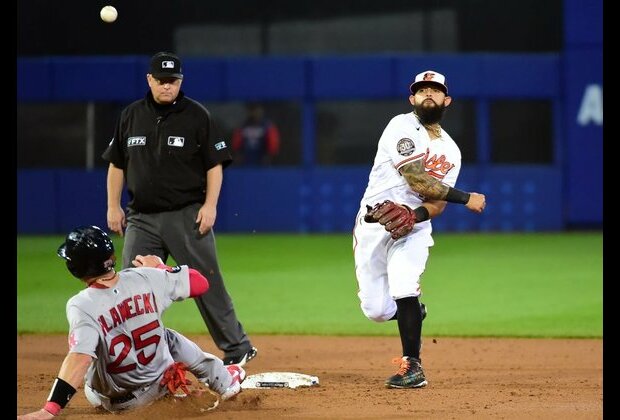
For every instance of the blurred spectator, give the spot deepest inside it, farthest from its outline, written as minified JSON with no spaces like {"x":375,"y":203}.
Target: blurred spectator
{"x":257,"y":141}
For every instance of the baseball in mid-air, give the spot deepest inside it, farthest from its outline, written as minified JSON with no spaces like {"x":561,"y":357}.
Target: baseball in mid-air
{"x":108,"y":14}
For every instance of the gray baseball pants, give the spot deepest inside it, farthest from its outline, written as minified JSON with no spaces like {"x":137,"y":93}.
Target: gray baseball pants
{"x":206,"y":367}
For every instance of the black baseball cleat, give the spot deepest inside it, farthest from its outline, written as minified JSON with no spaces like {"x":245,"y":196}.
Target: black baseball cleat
{"x":242,"y":359}
{"x":409,"y":375}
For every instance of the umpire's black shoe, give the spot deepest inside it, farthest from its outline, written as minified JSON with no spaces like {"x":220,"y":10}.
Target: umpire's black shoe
{"x":243,"y":359}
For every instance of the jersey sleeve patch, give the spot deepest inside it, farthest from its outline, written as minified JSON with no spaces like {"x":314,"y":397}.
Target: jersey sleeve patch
{"x":405,"y":147}
{"x":174,"y":269}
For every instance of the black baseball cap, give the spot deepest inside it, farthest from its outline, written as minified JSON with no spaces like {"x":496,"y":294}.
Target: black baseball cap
{"x":166,"y":65}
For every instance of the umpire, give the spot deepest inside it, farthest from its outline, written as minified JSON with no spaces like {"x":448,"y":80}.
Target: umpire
{"x":168,"y":150}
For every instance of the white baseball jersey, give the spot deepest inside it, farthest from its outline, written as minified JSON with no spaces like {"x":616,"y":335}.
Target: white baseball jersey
{"x":387,"y":269}
{"x":121,"y":327}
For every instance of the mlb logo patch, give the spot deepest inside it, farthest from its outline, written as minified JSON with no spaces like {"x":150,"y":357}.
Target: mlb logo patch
{"x":167,"y":64}
{"x":221,"y":145}
{"x":176,"y":141}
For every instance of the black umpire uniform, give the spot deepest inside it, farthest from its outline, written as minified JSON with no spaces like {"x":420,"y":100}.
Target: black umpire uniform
{"x":165,"y":152}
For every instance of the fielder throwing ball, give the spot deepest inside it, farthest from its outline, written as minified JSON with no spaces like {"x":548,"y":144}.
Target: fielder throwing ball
{"x":117,"y":341}
{"x":412,"y":179}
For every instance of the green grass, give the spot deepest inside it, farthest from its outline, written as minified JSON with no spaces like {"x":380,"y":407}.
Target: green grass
{"x":526,"y":285}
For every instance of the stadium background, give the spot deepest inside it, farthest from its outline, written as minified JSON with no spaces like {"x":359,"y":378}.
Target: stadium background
{"x":526,"y":77}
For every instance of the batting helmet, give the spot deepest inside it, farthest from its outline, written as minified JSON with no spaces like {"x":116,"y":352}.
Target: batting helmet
{"x":89,"y":252}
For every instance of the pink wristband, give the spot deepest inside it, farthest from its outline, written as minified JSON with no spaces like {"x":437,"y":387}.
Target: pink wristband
{"x":52,"y":408}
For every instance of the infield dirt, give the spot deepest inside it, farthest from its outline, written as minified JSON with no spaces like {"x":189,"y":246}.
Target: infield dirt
{"x":468,"y":378}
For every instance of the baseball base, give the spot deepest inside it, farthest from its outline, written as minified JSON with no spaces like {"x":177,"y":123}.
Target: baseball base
{"x":279,"y":380}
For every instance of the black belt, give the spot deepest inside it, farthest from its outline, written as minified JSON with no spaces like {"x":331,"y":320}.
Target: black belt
{"x":123,"y":399}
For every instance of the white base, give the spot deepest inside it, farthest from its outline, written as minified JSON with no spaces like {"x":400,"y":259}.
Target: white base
{"x":272,"y":380}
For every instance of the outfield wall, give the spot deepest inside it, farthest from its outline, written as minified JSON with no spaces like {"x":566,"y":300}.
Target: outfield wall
{"x":298,"y":200}
{"x":312,"y":198}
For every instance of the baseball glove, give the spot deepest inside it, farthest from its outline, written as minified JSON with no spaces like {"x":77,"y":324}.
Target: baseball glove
{"x":194,"y":395}
{"x":397,"y":219}
{"x":174,"y":378}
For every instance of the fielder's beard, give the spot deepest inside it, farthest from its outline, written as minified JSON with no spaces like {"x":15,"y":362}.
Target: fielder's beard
{"x":429,"y":114}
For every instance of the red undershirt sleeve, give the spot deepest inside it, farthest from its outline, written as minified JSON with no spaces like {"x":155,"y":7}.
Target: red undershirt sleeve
{"x":198,"y":284}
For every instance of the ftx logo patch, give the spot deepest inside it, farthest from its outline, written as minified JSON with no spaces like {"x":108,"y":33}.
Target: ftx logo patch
{"x":176,"y":141}
{"x":136,"y":141}
{"x":221,"y":145}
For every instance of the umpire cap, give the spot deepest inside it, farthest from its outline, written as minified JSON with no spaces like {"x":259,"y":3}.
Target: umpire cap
{"x":88,"y":251}
{"x":166,"y":65}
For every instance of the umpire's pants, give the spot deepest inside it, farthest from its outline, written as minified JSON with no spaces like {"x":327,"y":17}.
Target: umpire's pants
{"x":175,"y":233}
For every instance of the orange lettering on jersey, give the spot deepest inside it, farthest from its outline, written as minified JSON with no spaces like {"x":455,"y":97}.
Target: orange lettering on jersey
{"x":437,"y":166}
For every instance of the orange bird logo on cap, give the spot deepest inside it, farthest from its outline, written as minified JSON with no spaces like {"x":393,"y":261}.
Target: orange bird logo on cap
{"x":428,"y":76}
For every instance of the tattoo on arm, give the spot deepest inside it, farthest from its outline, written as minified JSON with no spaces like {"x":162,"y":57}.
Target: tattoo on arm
{"x":423,"y":183}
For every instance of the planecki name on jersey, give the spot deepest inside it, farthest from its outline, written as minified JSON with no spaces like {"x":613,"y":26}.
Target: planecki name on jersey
{"x":127,"y":309}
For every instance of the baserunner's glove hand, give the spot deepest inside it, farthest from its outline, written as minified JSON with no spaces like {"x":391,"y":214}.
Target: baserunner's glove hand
{"x":397,"y":219}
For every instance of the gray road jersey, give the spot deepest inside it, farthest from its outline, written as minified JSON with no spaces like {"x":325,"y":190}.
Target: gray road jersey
{"x":121,"y":327}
